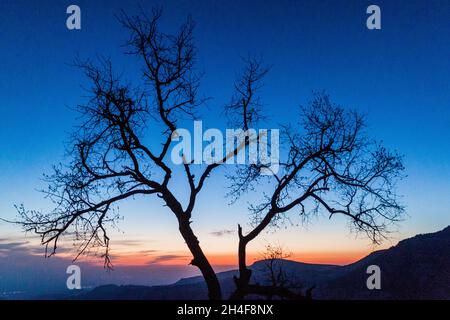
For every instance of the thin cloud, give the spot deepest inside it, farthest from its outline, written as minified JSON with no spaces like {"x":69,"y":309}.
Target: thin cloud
{"x":168,"y":257}
{"x":125,"y":254}
{"x":9,"y":246}
{"x":147,"y":251}
{"x":221,"y":233}
{"x":131,"y":243}
{"x":40,"y":250}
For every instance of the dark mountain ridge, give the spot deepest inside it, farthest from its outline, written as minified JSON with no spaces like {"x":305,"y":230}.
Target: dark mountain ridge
{"x":416,"y":268}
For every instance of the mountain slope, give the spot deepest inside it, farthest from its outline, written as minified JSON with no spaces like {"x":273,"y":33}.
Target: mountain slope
{"x":416,"y":268}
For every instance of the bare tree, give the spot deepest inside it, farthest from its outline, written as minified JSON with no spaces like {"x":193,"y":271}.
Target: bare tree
{"x":245,"y":108}
{"x":110,"y":161}
{"x":280,"y":282}
{"x":332,"y":163}
{"x":332,"y":166}
{"x":275,"y":273}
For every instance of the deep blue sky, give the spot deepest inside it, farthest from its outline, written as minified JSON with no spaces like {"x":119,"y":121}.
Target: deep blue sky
{"x":399,"y":76}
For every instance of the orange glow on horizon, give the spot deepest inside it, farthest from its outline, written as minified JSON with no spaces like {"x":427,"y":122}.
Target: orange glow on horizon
{"x":338,"y":258}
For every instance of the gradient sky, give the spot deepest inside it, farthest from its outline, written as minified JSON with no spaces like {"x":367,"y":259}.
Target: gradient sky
{"x":399,"y":76}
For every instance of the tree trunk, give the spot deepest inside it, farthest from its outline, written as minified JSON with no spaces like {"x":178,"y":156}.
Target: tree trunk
{"x":199,"y":260}
{"x":245,"y":274}
{"x":243,"y":286}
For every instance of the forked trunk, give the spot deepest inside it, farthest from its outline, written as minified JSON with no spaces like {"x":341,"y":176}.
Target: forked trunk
{"x":199,"y":260}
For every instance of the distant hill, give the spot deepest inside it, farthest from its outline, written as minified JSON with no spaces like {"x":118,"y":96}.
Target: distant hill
{"x":416,"y":268}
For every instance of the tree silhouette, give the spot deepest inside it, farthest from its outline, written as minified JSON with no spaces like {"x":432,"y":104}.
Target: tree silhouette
{"x":332,"y":166}
{"x":276,"y":275}
{"x":277,"y":280}
{"x":331,"y":163}
{"x":110,"y":162}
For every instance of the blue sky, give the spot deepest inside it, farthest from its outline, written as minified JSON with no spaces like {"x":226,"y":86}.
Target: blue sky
{"x":399,"y":76}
